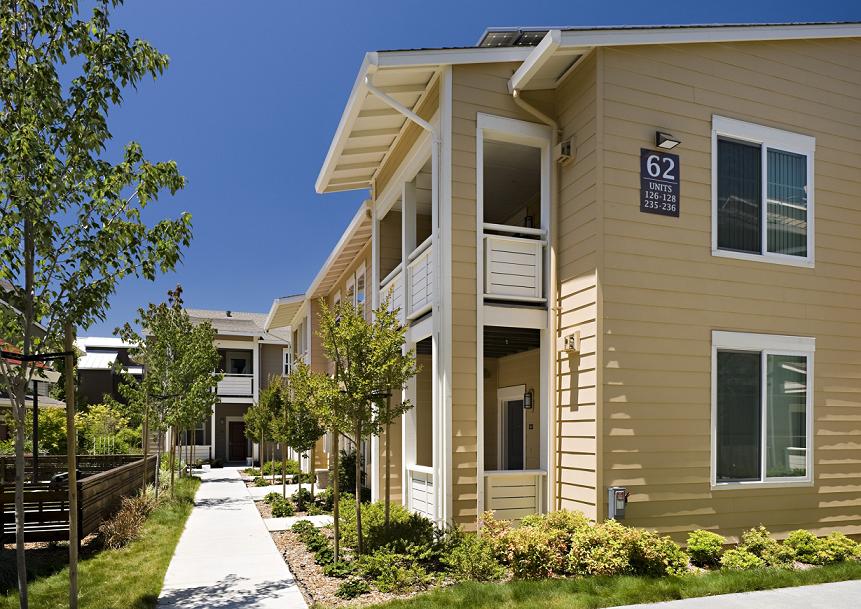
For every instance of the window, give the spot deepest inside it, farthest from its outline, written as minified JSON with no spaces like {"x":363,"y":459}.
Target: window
{"x":195,"y":437}
{"x":360,"y":289}
{"x":762,"y":402}
{"x":351,"y":290}
{"x":762,"y":187}
{"x":286,"y":361}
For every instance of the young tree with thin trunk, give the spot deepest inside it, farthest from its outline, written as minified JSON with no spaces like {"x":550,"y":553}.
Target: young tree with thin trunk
{"x":71,"y":222}
{"x":272,"y":410}
{"x":394,"y":367}
{"x":303,"y":426}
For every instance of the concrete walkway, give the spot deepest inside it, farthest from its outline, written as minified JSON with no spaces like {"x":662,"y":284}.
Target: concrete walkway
{"x":226,"y":558}
{"x":820,"y":596}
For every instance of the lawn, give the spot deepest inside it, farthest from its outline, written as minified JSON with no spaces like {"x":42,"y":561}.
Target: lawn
{"x":129,"y":578}
{"x":593,"y":592}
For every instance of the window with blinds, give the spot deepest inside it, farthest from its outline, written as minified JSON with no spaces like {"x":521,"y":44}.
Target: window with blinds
{"x":763,"y":195}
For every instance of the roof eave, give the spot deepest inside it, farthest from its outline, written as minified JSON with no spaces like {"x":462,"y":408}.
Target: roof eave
{"x":355,"y":223}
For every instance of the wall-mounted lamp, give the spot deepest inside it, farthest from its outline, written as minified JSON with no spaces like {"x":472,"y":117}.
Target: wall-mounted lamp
{"x":572,"y":342}
{"x":527,"y":400}
{"x":665,"y":140}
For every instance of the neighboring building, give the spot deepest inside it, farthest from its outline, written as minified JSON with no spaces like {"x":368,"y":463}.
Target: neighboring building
{"x":672,"y":355}
{"x":100,"y":366}
{"x":250,"y":357}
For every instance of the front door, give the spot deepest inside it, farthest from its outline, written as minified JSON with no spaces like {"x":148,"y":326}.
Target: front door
{"x":237,"y":445}
{"x":512,"y":442}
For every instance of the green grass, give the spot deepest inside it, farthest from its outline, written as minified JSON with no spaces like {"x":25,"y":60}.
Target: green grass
{"x":129,"y":578}
{"x":594,"y":592}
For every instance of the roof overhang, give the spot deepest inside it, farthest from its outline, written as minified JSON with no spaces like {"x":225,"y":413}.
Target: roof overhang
{"x":283,"y":310}
{"x":560,"y":49}
{"x":369,"y":128}
{"x":355,"y":238}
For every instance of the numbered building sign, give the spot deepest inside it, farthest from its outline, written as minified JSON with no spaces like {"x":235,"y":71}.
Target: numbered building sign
{"x":659,"y":183}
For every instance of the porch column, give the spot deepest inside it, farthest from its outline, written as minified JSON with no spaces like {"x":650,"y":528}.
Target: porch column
{"x":373,"y":288}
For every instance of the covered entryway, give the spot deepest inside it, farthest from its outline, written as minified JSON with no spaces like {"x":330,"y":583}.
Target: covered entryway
{"x":237,"y":443}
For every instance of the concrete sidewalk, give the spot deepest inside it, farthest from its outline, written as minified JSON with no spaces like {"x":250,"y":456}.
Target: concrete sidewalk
{"x":820,"y":596}
{"x":226,"y":558}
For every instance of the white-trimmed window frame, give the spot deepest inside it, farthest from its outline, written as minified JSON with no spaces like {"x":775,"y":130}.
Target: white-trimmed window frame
{"x":286,"y":361}
{"x":361,"y":272}
{"x":350,"y":289}
{"x":765,"y":344}
{"x":778,"y":139}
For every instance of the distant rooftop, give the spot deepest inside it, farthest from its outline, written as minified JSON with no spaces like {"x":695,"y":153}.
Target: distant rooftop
{"x":102,"y":342}
{"x":238,"y":323}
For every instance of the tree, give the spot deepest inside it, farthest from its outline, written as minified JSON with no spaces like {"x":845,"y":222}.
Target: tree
{"x":258,"y":419}
{"x":324,"y":398}
{"x":268,"y":419}
{"x":303,"y":427}
{"x":71,"y":221}
{"x":394,"y":366}
{"x":348,"y":342}
{"x":178,"y":388}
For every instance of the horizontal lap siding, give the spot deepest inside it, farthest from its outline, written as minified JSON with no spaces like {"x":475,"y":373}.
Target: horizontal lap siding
{"x":663,"y":291}
{"x":477,"y":88}
{"x":576,"y":457}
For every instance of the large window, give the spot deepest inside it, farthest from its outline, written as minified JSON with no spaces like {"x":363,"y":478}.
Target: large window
{"x":763,"y":193}
{"x":762,"y":408}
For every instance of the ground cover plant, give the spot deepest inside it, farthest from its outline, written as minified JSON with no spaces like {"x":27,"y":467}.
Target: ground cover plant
{"x":607,"y":563}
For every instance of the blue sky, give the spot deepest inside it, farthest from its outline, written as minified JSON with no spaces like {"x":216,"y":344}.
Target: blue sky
{"x":254,"y":93}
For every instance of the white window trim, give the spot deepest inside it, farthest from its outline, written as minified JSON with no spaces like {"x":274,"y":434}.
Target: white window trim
{"x":286,"y":353}
{"x":351,"y":285}
{"x":768,"y":137}
{"x":767,"y":344}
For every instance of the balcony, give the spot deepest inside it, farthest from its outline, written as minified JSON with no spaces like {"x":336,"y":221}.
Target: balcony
{"x":393,"y":286}
{"x":420,"y":280}
{"x":513,"y":263}
{"x":236,"y":386}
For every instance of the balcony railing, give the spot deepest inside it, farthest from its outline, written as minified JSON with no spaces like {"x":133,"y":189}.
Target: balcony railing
{"x":420,"y":280}
{"x":236,"y":385}
{"x":420,"y":493}
{"x":513,"y":263}
{"x":513,"y":494}
{"x":393,"y":283}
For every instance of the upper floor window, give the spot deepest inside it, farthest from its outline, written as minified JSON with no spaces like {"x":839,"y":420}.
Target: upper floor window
{"x":762,"y":392}
{"x":286,"y":361}
{"x":360,"y":289}
{"x":762,"y":188}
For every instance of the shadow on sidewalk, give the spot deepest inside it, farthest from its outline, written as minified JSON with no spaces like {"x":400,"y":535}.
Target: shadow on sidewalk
{"x":232,"y":592}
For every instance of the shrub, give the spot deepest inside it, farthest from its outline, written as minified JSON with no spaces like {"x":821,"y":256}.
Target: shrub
{"x":126,"y":524}
{"x":604,"y":549}
{"x":805,"y":545}
{"x":705,"y":547}
{"x":302,"y":527}
{"x":836,"y":547}
{"x":758,"y":542}
{"x":325,"y":555}
{"x":740,"y":560}
{"x":495,"y":531}
{"x":341,"y":569}
{"x":301,"y":498}
{"x":393,"y":572}
{"x":251,"y":471}
{"x":406,"y":528}
{"x":656,"y":555}
{"x":272,"y":497}
{"x":258,"y":481}
{"x":352,"y":588}
{"x":473,"y":558}
{"x":325,"y":500}
{"x":275,"y":467}
{"x":282,"y":508}
{"x":534,"y":553}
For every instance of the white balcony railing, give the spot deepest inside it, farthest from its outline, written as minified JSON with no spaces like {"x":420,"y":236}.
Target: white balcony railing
{"x":513,"y":494}
{"x":420,"y":280}
{"x":236,"y":385}
{"x":393,"y":283}
{"x":513,"y":263}
{"x":420,"y":493}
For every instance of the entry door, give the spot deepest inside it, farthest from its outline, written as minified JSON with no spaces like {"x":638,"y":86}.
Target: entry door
{"x":237,"y":449}
{"x":512,"y":430}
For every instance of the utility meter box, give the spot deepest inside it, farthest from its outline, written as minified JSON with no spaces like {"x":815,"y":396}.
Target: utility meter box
{"x":617,"y":499}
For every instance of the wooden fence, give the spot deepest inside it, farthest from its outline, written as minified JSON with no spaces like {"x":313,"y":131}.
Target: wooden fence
{"x":99,"y":496}
{"x":49,"y":465}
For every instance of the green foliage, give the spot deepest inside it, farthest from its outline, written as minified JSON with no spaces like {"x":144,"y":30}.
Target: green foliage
{"x":353,"y":587}
{"x":272,"y":497}
{"x":393,"y":572}
{"x":259,"y":481}
{"x":281,"y":508}
{"x":405,"y":527}
{"x":758,"y":542}
{"x":805,"y":545}
{"x":303,"y":527}
{"x":341,"y":569}
{"x":276,"y":467}
{"x":834,"y":548}
{"x":473,"y":559}
{"x":302,"y":498}
{"x":738,"y":559}
{"x":534,"y":553}
{"x":105,"y":430}
{"x":604,"y":549}
{"x":656,"y":555}
{"x":705,"y":547}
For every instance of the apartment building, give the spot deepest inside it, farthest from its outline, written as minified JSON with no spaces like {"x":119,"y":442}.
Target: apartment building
{"x":627,"y":258}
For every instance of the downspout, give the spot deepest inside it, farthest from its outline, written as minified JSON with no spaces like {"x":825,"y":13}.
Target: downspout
{"x":436,"y":158}
{"x":555,"y":193}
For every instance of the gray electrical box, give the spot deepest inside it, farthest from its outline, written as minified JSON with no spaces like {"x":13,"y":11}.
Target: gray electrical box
{"x":617,"y":499}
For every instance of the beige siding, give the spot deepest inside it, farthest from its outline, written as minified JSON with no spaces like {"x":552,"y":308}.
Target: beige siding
{"x":579,"y":220}
{"x":664,"y":292}
{"x":477,"y":88}
{"x":270,"y":361}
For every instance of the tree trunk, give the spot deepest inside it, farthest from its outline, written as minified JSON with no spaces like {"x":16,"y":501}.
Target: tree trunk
{"x":386,"y":501}
{"x":20,"y":557}
{"x":335,"y":496}
{"x":313,"y":471}
{"x":145,"y":444}
{"x":172,"y":460}
{"x":284,"y":474}
{"x":71,"y":455}
{"x":358,"y":490}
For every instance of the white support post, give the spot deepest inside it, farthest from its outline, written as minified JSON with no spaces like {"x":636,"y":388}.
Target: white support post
{"x":255,"y":368}
{"x":408,"y":240}
{"x":372,"y":288}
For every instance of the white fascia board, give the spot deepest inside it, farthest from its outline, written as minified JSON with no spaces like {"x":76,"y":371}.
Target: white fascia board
{"x":436,"y":57}
{"x":357,"y":220}
{"x":627,"y":37}
{"x":276,"y":303}
{"x":536,"y":59}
